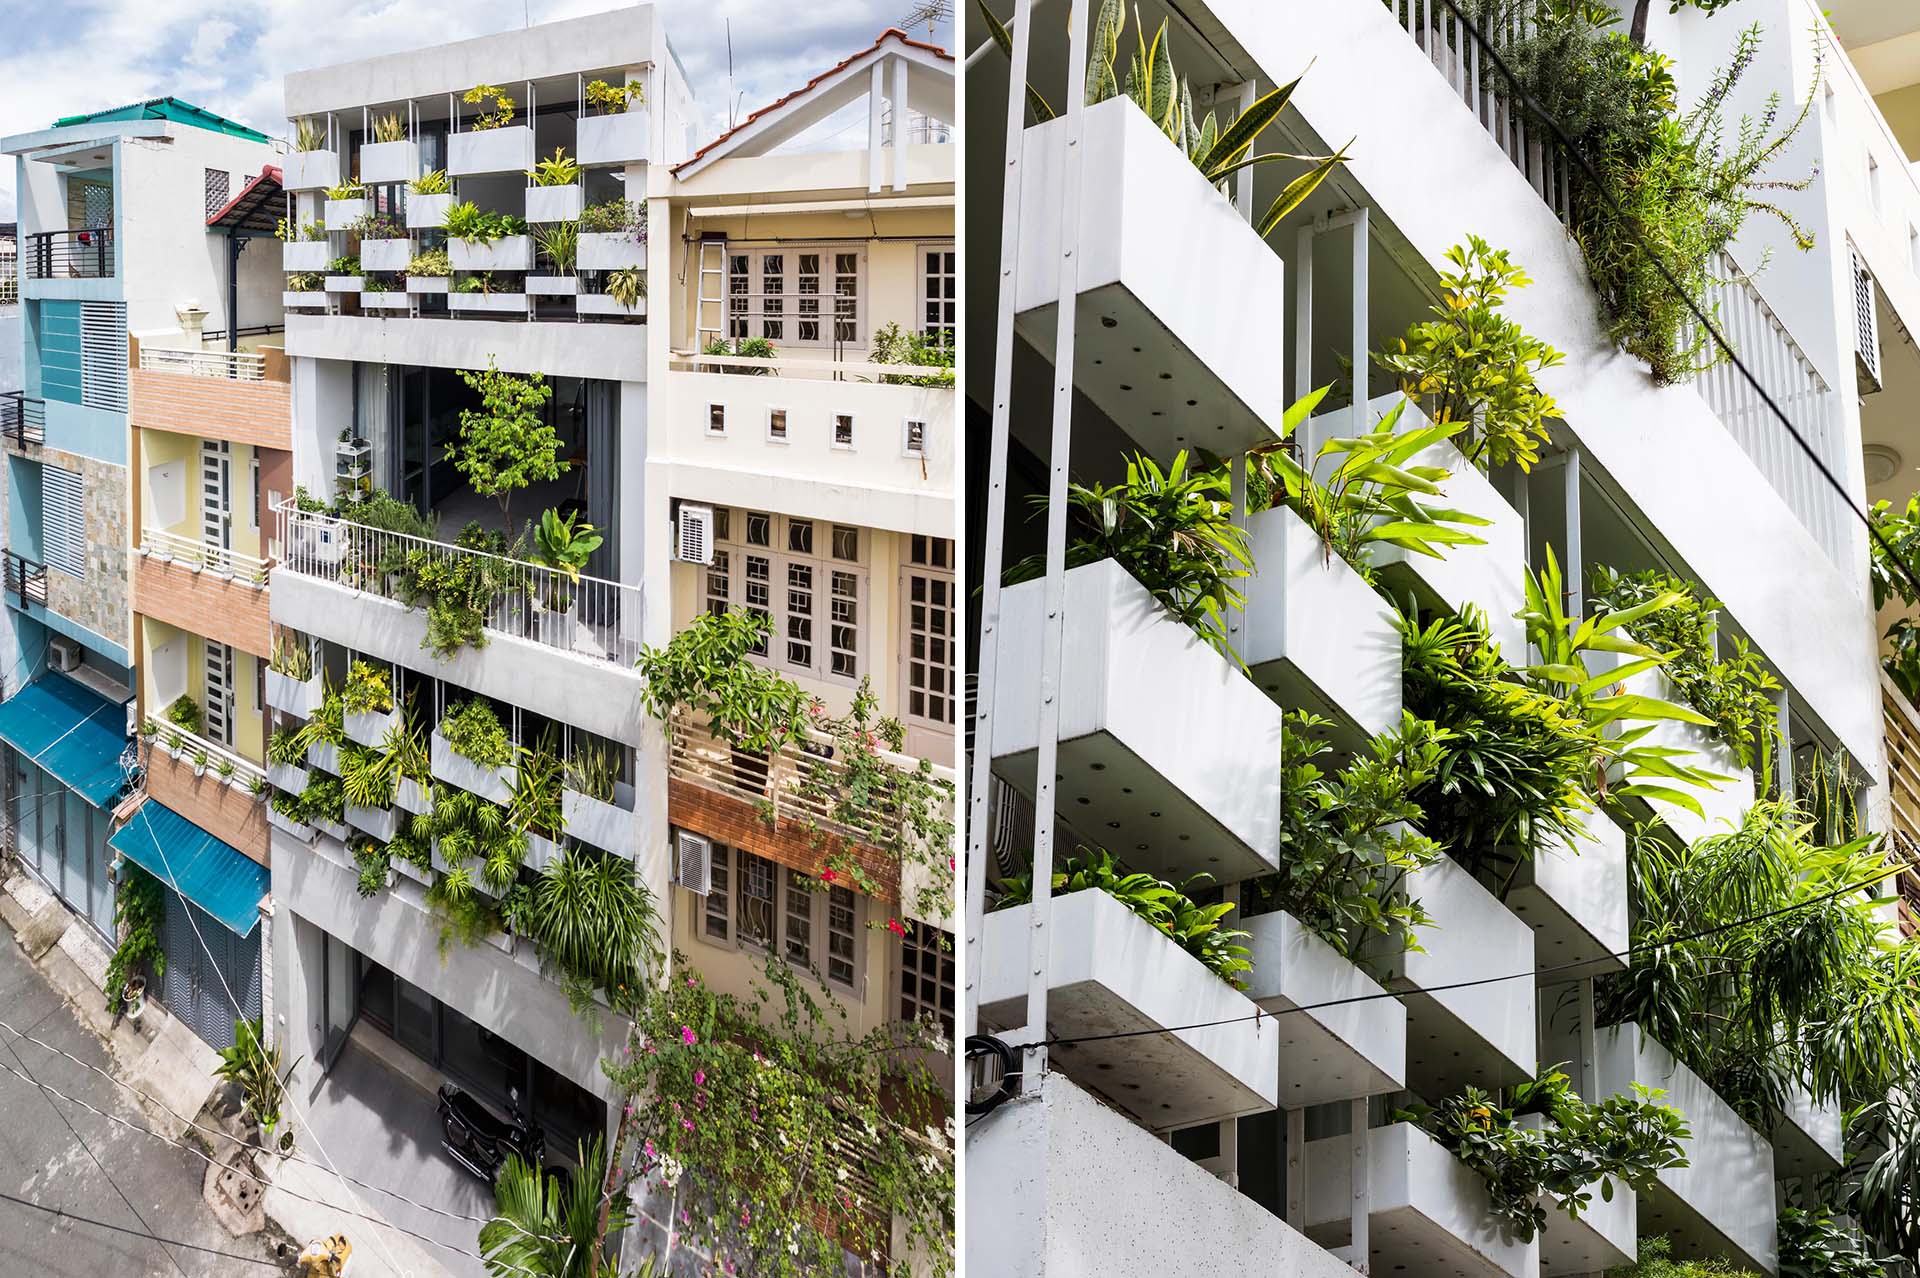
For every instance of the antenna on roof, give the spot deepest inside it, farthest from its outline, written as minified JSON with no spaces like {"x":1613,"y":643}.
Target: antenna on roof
{"x":929,"y":12}
{"x":730,"y":97}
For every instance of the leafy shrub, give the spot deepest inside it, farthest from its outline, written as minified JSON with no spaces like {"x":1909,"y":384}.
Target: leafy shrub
{"x":704,"y":671}
{"x":611,"y":217}
{"x":616,"y":99}
{"x":893,"y":345}
{"x":473,"y":731}
{"x":348,"y":189}
{"x":377,"y":226}
{"x":433,"y":263}
{"x":184,"y":712}
{"x":139,"y":907}
{"x":372,"y":863}
{"x":305,"y":282}
{"x":368,"y":690}
{"x":434,"y":182}
{"x":468,"y":223}
{"x":1655,"y":1261}
{"x":558,"y":169}
{"x":1815,"y":1245}
{"x":501,"y":113}
{"x":596,"y":921}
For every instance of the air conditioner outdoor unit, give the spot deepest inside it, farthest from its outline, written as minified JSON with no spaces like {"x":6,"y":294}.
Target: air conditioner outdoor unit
{"x":693,"y":540}
{"x":695,"y":872}
{"x":64,"y":654}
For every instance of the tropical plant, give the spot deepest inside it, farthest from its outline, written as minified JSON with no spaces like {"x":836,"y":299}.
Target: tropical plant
{"x":308,"y":136}
{"x":226,"y":768}
{"x":1655,"y":1260}
{"x":535,"y":805}
{"x":750,"y":347}
{"x":433,"y":182}
{"x":139,"y":909}
{"x":1625,"y":1139}
{"x":473,"y":731}
{"x":559,"y":242}
{"x":542,"y":1223}
{"x":616,"y":99}
{"x":466,"y":915}
{"x":466,"y":827}
{"x":1173,"y":530}
{"x":593,"y":917}
{"x":1168,"y":907}
{"x":184,"y":712}
{"x":254,"y":1067}
{"x":433,"y":263}
{"x":305,"y":282}
{"x":508,"y":442}
{"x":704,"y":671}
{"x":408,"y":745}
{"x":345,"y":264}
{"x":285,"y":748}
{"x":1360,"y":492}
{"x":502,"y":113}
{"x":371,"y":863}
{"x":347,"y":189}
{"x":377,"y":226}
{"x":1346,"y":839}
{"x":367,"y":776}
{"x":628,"y":285}
{"x":459,"y":592}
{"x":894,"y":345}
{"x":594,"y":771}
{"x":1472,"y":364}
{"x":1881,"y":1183}
{"x":467,"y":222}
{"x":564,"y":548}
{"x":389,"y":128}
{"x":611,"y":217}
{"x":558,"y":169}
{"x":1815,"y":1245}
{"x":368,"y":689}
{"x":1894,"y":545}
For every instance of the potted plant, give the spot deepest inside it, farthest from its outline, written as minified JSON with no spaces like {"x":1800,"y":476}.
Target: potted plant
{"x":133,"y":999}
{"x":384,"y":245}
{"x":559,"y":245}
{"x":471,"y":749}
{"x":595,"y":804}
{"x":564,"y":548}
{"x":492,"y":142}
{"x":555,"y":193}
{"x":366,"y":700}
{"x":614,"y":130}
{"x":390,"y":157}
{"x":613,"y":234}
{"x":430,"y":271}
{"x":429,"y":196}
{"x":346,"y":204}
{"x":227,"y":769}
{"x":485,"y":240}
{"x":343,"y":274}
{"x":311,"y":165}
{"x":626,"y":294}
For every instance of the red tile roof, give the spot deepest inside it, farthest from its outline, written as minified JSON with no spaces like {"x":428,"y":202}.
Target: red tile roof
{"x":814,"y":83}
{"x":271,"y":173}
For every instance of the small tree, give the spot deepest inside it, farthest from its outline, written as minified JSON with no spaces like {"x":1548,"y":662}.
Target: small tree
{"x":508,"y":443}
{"x":704,"y":669}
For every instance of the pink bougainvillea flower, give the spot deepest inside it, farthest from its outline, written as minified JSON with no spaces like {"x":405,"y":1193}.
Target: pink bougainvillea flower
{"x":893,"y":926}
{"x":687,"y":1123}
{"x":828,"y":876}
{"x":699,"y":1078}
{"x":949,"y":863}
{"x":687,"y":1035}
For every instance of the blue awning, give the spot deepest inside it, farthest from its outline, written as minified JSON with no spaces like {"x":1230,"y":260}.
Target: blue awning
{"x":215,"y":876}
{"x":73,"y":732}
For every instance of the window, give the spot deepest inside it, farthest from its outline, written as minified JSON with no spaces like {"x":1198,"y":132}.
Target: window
{"x":810,"y":589}
{"x":937,"y":293}
{"x":753,"y":922}
{"x":843,"y":430}
{"x":63,"y":508}
{"x":926,"y":975}
{"x":216,"y":191}
{"x":846,"y":543}
{"x":929,"y":633}
{"x":777,"y":425}
{"x":783,"y":295}
{"x":253,"y":494}
{"x":718,"y":583}
{"x":842,"y":952}
{"x":103,"y":355}
{"x":800,"y":615}
{"x":716,"y":419}
{"x":755,"y":903}
{"x":719,"y":880}
{"x":844,"y":635}
{"x":915,"y":438}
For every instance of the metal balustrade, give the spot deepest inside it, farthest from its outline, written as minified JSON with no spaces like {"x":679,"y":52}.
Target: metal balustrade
{"x":23,"y":420}
{"x":26,"y":580}
{"x":589,"y":616}
{"x":234,"y":366}
{"x":836,"y":370}
{"x":83,"y":254}
{"x":186,"y":747}
{"x":197,"y":555}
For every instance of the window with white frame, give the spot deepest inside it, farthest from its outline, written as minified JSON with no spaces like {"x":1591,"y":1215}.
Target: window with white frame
{"x":716,"y":419}
{"x":807,"y":577}
{"x":926,"y":975}
{"x":843,"y":430}
{"x":757,"y":904}
{"x":914,"y":437}
{"x":796,"y":295}
{"x":777,"y":425}
{"x":938,"y":296}
{"x":929,"y":633}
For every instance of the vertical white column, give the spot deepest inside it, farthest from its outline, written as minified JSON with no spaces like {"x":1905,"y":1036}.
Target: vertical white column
{"x":1783,"y":726}
{"x":900,"y":66}
{"x":875,"y":93}
{"x":1296,"y":1168}
{"x":1576,"y":565}
{"x":1243,"y":180}
{"x":1360,"y":317}
{"x":1360,"y":1177}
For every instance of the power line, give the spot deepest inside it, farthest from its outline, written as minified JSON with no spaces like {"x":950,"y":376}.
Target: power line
{"x":64,"y":1214}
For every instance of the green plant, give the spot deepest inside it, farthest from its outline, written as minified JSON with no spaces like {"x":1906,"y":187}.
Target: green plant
{"x":616,"y":99}
{"x":499,"y":117}
{"x":465,"y":913}
{"x":255,"y":1068}
{"x":433,"y":182}
{"x":1472,"y":364}
{"x":535,"y":805}
{"x":1655,"y":1261}
{"x":367,"y":777}
{"x":1882,"y":1177}
{"x":1168,"y":907}
{"x":433,"y":263}
{"x":541,"y":1222}
{"x":184,"y":712}
{"x":374,"y":284}
{"x":324,"y":799}
{"x":389,"y":128}
{"x":407,"y":744}
{"x":1173,"y":530}
{"x":893,"y":345}
{"x":286,"y":749}
{"x":291,"y":657}
{"x":459,"y":592}
{"x":368,"y":689}
{"x":611,"y":217}
{"x":704,"y":670}
{"x":1628,"y":1139}
{"x":1356,"y":493}
{"x":1894,"y":547}
{"x":594,"y":770}
{"x":139,"y":909}
{"x":628,"y":285}
{"x":347,"y":189}
{"x":308,"y":136}
{"x":345,"y":264}
{"x":1815,"y":1245}
{"x":1735,"y":692}
{"x":1346,"y":842}
{"x":226,"y":768}
{"x":507,"y":443}
{"x":594,"y":918}
{"x":563,"y":547}
{"x":472,"y":730}
{"x":305,"y":282}
{"x":558,"y":169}
{"x":467,"y":827}
{"x":372,"y":864}
{"x":377,"y":226}
{"x":468,"y":223}
{"x":560,"y":243}
{"x":200,"y":760}
{"x":750,"y":347}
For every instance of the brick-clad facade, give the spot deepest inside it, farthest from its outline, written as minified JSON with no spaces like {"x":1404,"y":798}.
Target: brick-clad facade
{"x":737,"y":823}
{"x":203,"y":603}
{"x":257,"y":413}
{"x":230,"y":815}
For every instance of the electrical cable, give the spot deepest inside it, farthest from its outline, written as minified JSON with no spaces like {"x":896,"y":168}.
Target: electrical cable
{"x":64,"y":1214}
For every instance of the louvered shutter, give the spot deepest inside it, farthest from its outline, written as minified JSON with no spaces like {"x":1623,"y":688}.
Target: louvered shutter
{"x":63,"y":508}
{"x":103,"y":355}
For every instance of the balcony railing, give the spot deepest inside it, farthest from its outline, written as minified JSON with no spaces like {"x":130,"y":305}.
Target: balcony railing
{"x":835,"y":370}
{"x":233,"y":366}
{"x":26,"y":580}
{"x":85,"y":254}
{"x":590,"y":617}
{"x":23,"y":420}
{"x":185,"y":746}
{"x":199,"y":556}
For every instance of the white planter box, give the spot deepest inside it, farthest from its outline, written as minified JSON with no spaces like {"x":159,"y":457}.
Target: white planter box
{"x":1483,"y":1034}
{"x":1605,"y":1237}
{"x":412,"y":796}
{"x":385,"y":301}
{"x":1110,"y":969}
{"x":371,"y":729}
{"x":284,"y":692}
{"x":611,"y":251}
{"x":1327,"y":1053}
{"x":506,"y":150}
{"x":607,"y":826}
{"x":381,"y":823}
{"x":332,"y":829}
{"x":553,"y":203}
{"x":613,"y":139}
{"x":1575,"y":899}
{"x":1429,"y":1214}
{"x":1193,"y":777}
{"x":553,"y":285}
{"x":508,"y":303}
{"x":342,"y":214}
{"x":425,"y":212}
{"x":541,"y":852}
{"x":456,"y":769}
{"x":508,"y":253}
{"x":324,"y":756}
{"x":385,"y":255}
{"x":303,"y":833}
{"x":1724,"y":806}
{"x":1315,"y":634}
{"x":601,"y":304}
{"x":1141,"y":287}
{"x":1808,"y":1140}
{"x":305,"y":255}
{"x":1721,"y":1203}
{"x":309,"y":170}
{"x":344,"y":283}
{"x":284,"y":776}
{"x":407,"y":869}
{"x":419,"y":284}
{"x":389,"y":162}
{"x":313,"y":299}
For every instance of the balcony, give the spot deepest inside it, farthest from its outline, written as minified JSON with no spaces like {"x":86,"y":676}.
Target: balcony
{"x":23,"y":420}
{"x":26,"y":581}
{"x":218,"y":790}
{"x":62,"y":255}
{"x":203,"y":589}
{"x":242,"y":397}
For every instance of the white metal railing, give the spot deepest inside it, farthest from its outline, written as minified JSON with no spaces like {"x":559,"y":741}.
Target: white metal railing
{"x":233,"y":366}
{"x":838,"y":370}
{"x":590,"y":617}
{"x":194,"y":750}
{"x":189,"y":552}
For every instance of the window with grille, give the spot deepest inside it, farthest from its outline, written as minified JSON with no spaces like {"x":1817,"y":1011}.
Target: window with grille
{"x":216,"y":191}
{"x":754,"y":903}
{"x":929,"y":632}
{"x":799,"y":921}
{"x":938,"y":297}
{"x":63,"y":508}
{"x":800,"y":614}
{"x":842,"y":946}
{"x":795,"y":295}
{"x":718,"y":920}
{"x":754,"y":923}
{"x":811,"y":589}
{"x":926,"y":975}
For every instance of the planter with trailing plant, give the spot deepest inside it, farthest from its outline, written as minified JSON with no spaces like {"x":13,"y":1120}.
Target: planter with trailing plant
{"x":1574,"y":896}
{"x":1429,"y":1212}
{"x":367,"y":700}
{"x":305,"y":255}
{"x":614,"y":129}
{"x":470,"y":749}
{"x":1315,"y":633}
{"x":1179,"y":773}
{"x":408,"y":870}
{"x":1722,"y":1203}
{"x":325,"y":756}
{"x":288,"y":777}
{"x":1351,"y":1040}
{"x":495,"y":783}
{"x":541,"y":851}
{"x":1110,"y":967}
{"x":1486,"y":1032}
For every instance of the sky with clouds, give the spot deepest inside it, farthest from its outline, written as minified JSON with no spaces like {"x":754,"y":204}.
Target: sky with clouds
{"x":229,"y":56}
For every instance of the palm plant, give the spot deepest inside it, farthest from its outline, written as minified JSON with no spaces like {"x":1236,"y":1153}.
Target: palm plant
{"x":467,"y":827}
{"x":560,"y":242}
{"x":591,"y":914}
{"x":629,"y":284}
{"x":558,"y":169}
{"x":389,"y":128}
{"x":368,"y":777}
{"x":547,"y":1227}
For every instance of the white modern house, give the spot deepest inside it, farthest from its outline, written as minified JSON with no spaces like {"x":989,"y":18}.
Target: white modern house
{"x":1119,"y":303}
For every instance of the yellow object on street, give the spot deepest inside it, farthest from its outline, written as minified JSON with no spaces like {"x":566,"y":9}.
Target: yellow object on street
{"x":325,"y":1257}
